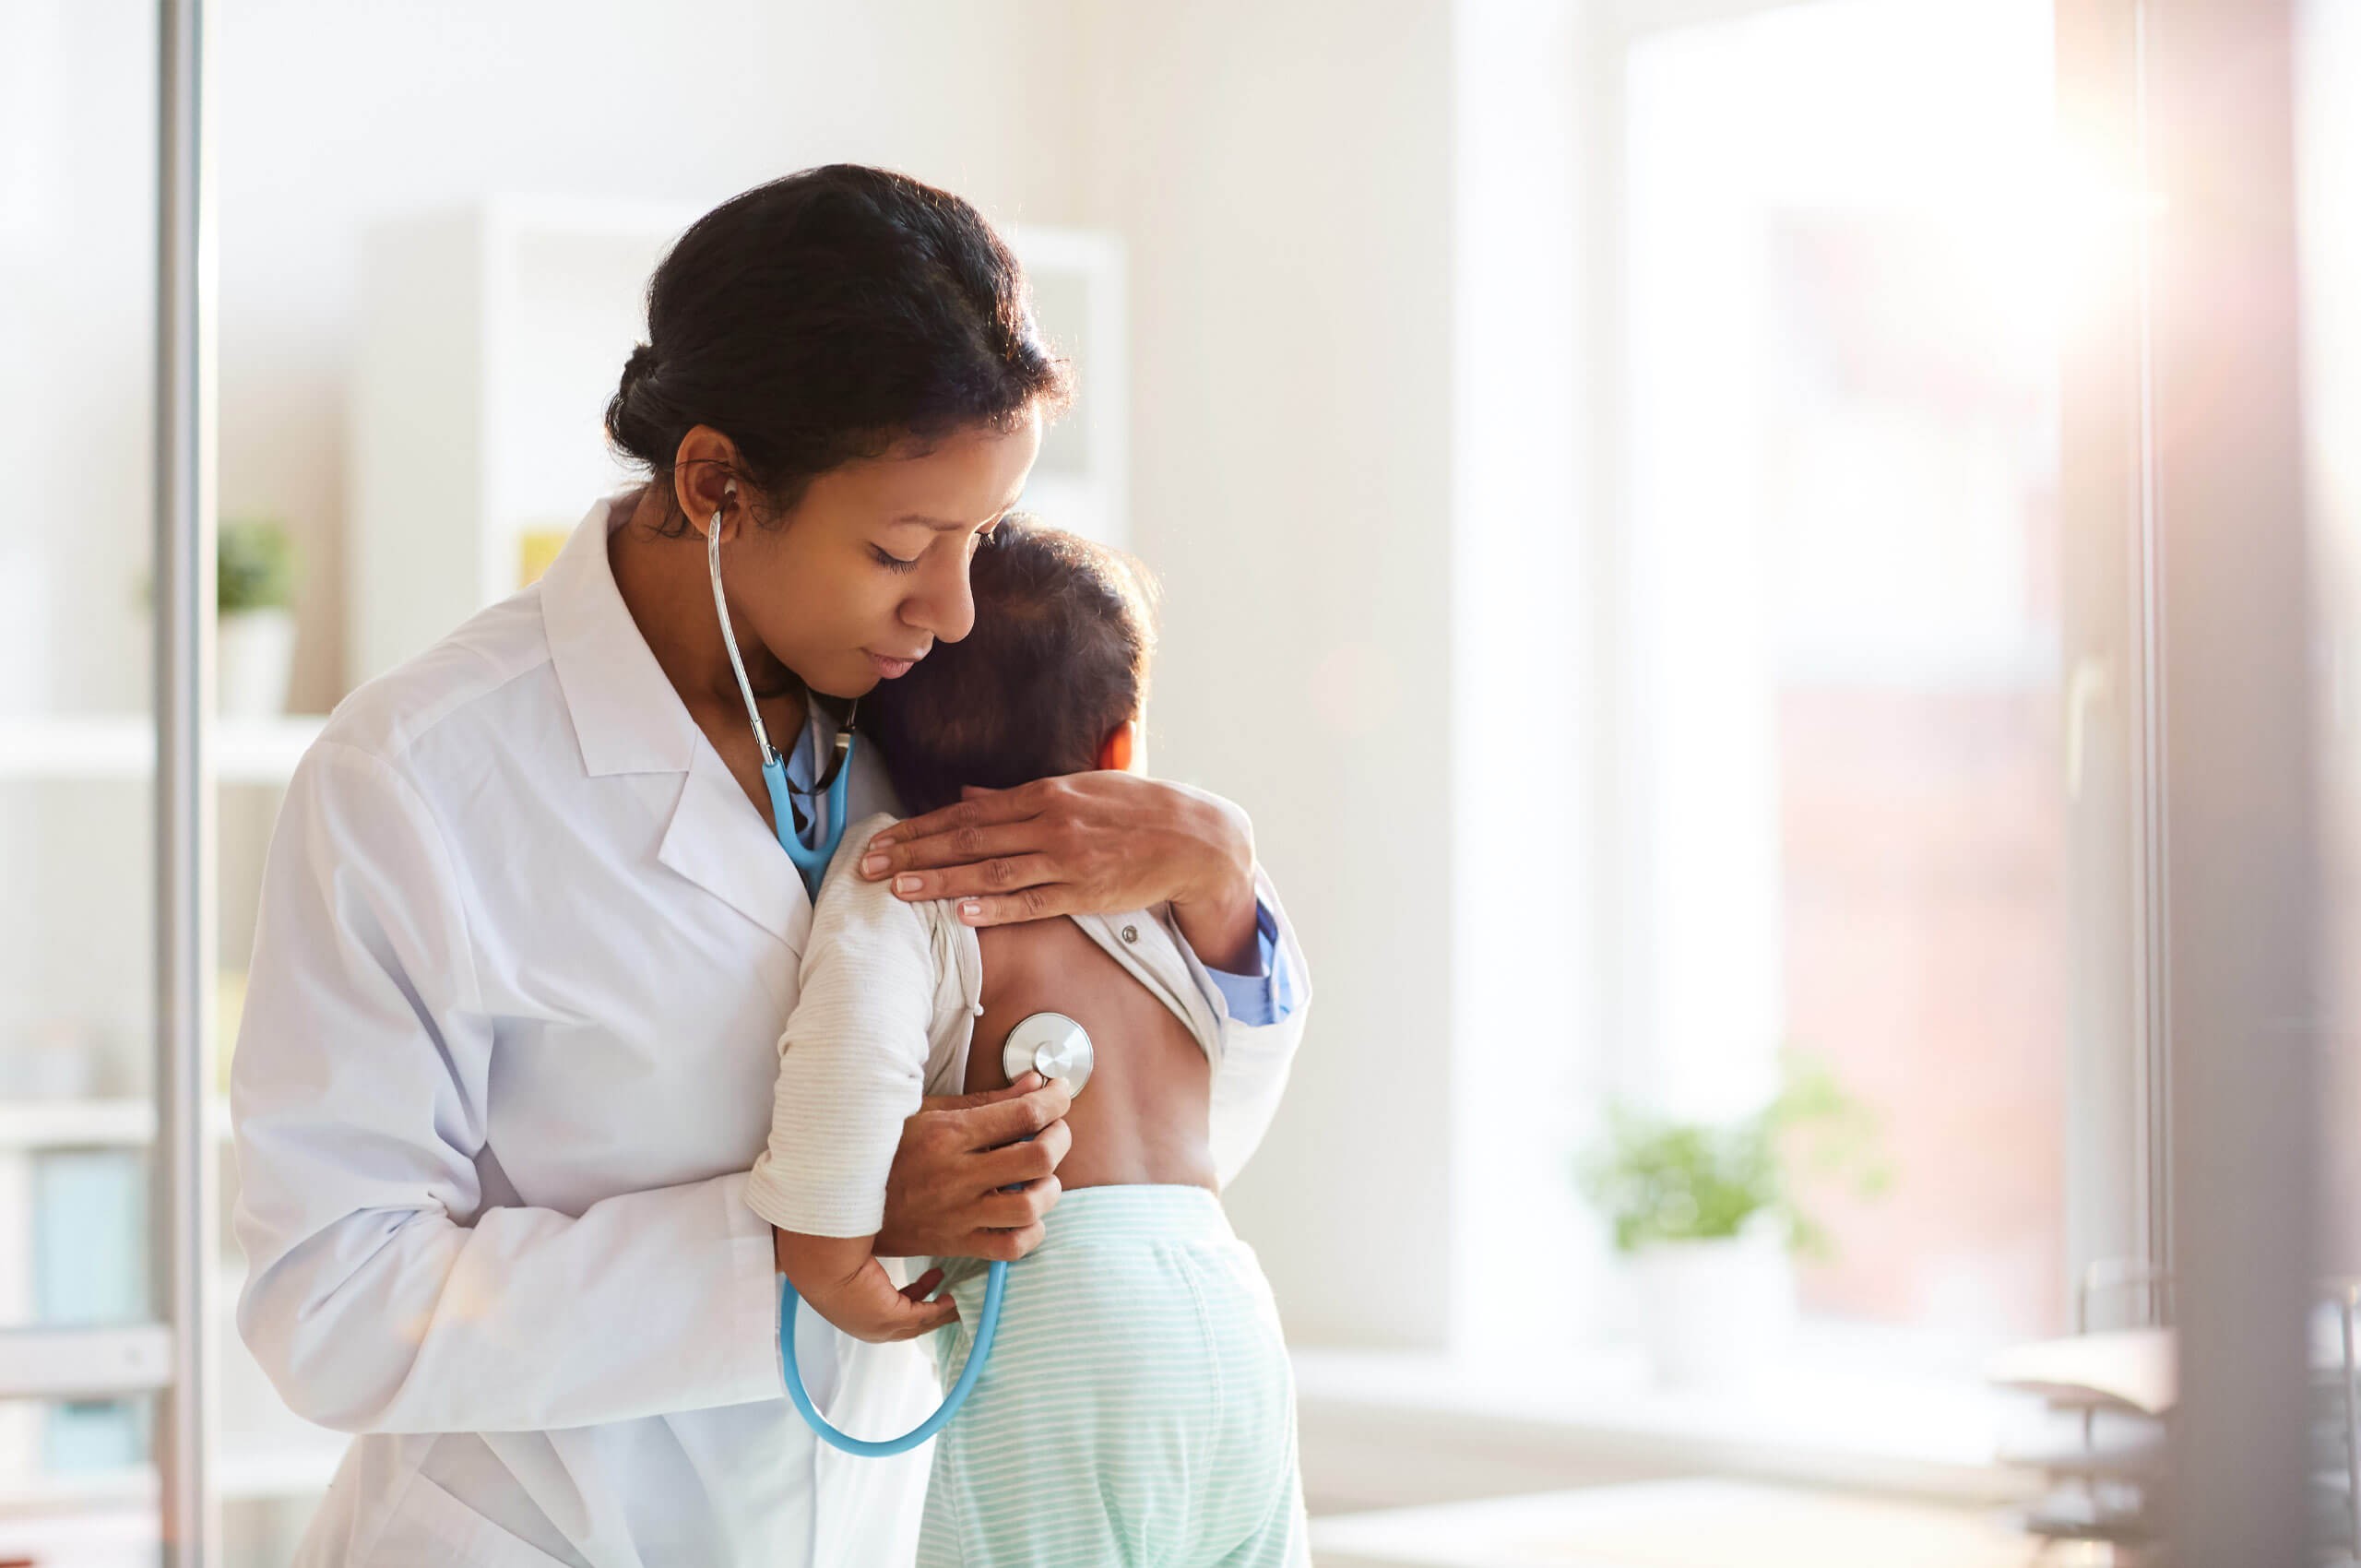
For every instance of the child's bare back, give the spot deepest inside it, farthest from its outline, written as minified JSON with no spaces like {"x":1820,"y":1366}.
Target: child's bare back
{"x":1144,"y":1119}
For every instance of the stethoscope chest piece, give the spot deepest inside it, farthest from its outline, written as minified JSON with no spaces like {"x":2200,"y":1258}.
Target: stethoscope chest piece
{"x":1050,"y":1044}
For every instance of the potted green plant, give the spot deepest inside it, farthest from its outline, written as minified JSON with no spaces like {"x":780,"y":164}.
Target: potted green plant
{"x":254,"y":599}
{"x":1708,"y":1214}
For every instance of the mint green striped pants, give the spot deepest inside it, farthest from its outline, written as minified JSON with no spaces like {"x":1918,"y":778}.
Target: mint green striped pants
{"x":1138,"y":1408}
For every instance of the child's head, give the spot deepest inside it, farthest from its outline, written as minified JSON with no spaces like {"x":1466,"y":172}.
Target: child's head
{"x":1052,"y":679}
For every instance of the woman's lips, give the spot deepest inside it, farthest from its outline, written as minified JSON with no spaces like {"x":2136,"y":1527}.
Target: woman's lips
{"x":889,"y":667}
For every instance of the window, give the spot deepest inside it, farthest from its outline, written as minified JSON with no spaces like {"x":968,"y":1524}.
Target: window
{"x":1841,"y":681}
{"x":1857,"y":709}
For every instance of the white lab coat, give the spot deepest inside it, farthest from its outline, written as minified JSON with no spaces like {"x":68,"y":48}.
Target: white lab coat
{"x":524,"y":954}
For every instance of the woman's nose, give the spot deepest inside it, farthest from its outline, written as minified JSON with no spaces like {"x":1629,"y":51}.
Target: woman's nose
{"x":944,"y":607}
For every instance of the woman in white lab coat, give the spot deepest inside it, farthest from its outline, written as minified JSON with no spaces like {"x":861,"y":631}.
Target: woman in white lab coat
{"x":526,"y":940}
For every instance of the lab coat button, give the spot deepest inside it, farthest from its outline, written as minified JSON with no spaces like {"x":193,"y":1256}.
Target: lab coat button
{"x":1130,"y":934}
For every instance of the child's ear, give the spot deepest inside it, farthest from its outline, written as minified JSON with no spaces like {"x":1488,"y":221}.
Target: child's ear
{"x":1121,"y":749}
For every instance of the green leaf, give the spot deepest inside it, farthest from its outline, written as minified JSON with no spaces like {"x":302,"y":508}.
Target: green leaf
{"x":255,"y":566}
{"x":1656,"y":1181}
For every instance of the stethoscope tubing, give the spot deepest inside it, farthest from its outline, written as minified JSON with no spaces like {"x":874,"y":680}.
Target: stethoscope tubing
{"x":987,"y":1325}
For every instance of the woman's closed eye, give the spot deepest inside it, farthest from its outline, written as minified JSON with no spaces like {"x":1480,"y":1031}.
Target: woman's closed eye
{"x":892,"y":562}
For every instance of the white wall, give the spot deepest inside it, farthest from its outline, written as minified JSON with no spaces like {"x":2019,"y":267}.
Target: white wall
{"x":1280,"y":171}
{"x":78,"y":301}
{"x":77,"y":295}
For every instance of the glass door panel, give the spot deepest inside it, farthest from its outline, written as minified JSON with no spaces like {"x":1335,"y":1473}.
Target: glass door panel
{"x":81,"y":1352}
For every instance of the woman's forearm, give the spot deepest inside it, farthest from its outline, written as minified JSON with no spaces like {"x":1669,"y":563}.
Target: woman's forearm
{"x":1216,"y":910}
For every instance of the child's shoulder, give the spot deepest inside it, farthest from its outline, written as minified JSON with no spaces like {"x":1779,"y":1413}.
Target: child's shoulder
{"x":847,"y":897}
{"x":856,"y":839}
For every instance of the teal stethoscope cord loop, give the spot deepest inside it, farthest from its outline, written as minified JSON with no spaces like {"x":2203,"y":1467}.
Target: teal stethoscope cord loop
{"x":987,"y":1324}
{"x":811,"y":864}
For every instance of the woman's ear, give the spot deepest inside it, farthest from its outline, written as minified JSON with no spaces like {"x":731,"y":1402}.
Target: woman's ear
{"x":705,"y":482}
{"x":1119,"y":752}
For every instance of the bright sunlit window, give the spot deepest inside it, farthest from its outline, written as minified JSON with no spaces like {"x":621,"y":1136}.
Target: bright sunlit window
{"x":1841,"y":789}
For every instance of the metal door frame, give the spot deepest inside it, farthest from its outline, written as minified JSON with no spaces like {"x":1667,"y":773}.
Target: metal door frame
{"x":184,"y":1166}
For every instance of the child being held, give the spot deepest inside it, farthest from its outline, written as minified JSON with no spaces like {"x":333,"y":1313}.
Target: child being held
{"x":1137,"y":1406}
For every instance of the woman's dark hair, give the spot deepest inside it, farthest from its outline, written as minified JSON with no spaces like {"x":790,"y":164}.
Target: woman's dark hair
{"x":827,"y":316}
{"x":1058,"y":657}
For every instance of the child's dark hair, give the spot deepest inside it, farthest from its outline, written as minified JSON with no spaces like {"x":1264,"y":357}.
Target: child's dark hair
{"x":830,"y":315}
{"x":1058,"y":658}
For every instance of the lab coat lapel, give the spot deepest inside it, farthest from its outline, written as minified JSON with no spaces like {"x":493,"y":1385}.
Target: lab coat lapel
{"x":719,"y":841}
{"x":628,"y":718}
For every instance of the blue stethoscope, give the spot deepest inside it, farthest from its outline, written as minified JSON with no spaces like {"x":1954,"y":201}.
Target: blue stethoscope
{"x":1049,"y":1043}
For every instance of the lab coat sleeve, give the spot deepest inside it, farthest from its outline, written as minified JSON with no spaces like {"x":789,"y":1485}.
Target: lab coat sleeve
{"x":852,"y":1060}
{"x":1255,"y":1058}
{"x":382,"y":1295}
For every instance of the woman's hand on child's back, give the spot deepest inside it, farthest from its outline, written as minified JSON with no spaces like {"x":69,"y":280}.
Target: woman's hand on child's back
{"x":1085,"y":844}
{"x":948,"y":1194}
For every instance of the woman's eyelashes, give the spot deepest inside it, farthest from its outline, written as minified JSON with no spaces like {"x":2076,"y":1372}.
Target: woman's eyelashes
{"x":894,"y":562}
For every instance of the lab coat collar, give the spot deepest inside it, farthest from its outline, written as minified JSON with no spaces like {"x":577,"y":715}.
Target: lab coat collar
{"x":626,"y":716}
{"x":627,"y":719}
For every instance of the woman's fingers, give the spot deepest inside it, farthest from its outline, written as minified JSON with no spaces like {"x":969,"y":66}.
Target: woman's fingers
{"x":1026,"y":1082}
{"x":981,"y":810}
{"x":1027,"y":904}
{"x":1005,"y":1209}
{"x":1002,"y":874}
{"x":1022,"y":1116}
{"x":1002,"y":1246}
{"x":1019,"y":1163}
{"x":959,"y":847}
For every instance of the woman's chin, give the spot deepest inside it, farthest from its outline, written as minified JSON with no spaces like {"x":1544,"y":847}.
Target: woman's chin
{"x":856,"y":681}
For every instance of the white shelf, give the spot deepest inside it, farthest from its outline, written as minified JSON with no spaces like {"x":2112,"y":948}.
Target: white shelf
{"x":93,"y":1123}
{"x":85,"y":1362}
{"x":246,"y":1470}
{"x":246,"y":751}
{"x":264,"y":1452}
